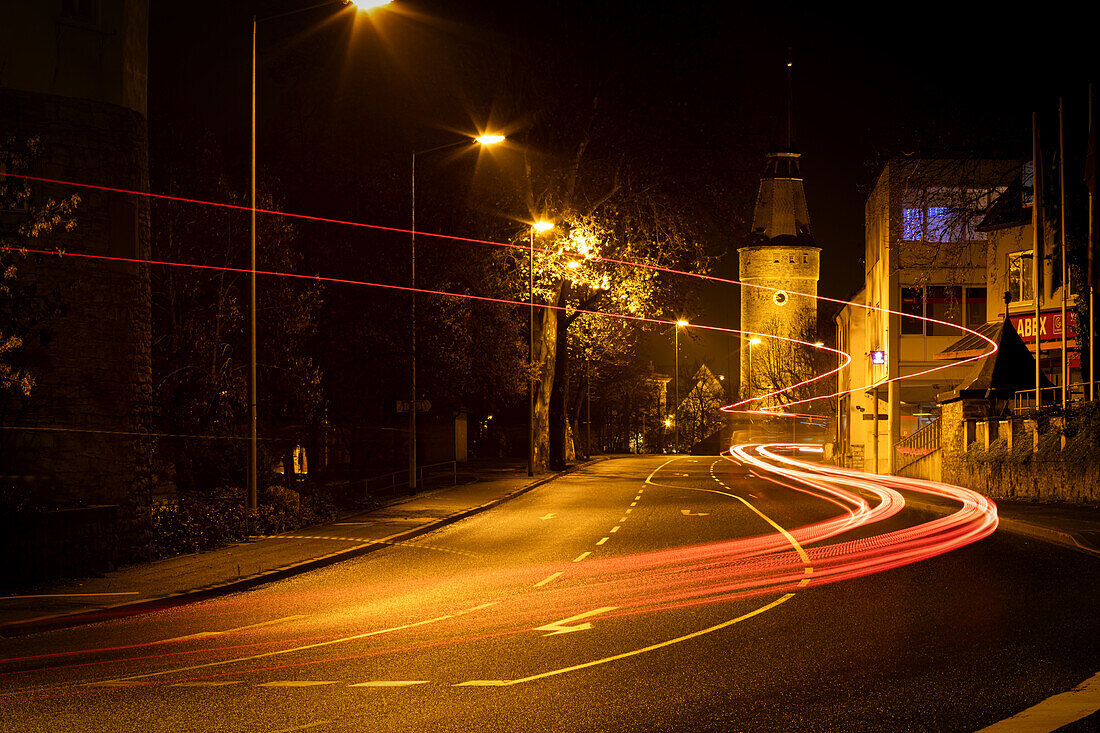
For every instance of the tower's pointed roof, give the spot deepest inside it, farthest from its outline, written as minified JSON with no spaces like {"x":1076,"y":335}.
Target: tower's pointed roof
{"x":781,"y":216}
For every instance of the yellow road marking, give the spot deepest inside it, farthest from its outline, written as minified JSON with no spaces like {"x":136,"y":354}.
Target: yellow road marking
{"x":582,"y":556}
{"x":615,"y":529}
{"x":297,"y":683}
{"x":633,"y":504}
{"x":70,"y":595}
{"x":628,"y":512}
{"x":605,"y":539}
{"x":391,"y":683}
{"x":624,"y":655}
{"x":544,"y":581}
{"x":208,"y":634}
{"x":209,"y":683}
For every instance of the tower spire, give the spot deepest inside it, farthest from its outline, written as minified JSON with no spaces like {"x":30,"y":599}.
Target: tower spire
{"x":790,"y":100}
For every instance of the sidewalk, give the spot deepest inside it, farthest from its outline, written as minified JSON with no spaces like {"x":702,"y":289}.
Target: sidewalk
{"x":176,"y":580}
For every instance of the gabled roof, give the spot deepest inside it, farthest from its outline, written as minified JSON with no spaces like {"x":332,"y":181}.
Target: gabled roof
{"x":1001,"y":374}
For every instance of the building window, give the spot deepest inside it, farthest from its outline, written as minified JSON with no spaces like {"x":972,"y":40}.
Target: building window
{"x":944,"y":304}
{"x":938,"y":214}
{"x":975,"y":307}
{"x":1019,"y":276}
{"x":912,"y":304}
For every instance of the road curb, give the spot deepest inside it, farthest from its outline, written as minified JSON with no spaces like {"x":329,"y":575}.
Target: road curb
{"x":1020,"y":527}
{"x":145,"y":605}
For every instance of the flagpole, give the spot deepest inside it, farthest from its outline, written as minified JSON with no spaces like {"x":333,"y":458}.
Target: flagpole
{"x":1092,"y":251}
{"x":1036,"y":251}
{"x":1065,"y":285}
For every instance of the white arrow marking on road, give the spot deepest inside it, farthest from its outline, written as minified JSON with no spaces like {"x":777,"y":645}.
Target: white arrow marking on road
{"x":551,"y":515}
{"x":689,"y":513}
{"x":559,"y":627}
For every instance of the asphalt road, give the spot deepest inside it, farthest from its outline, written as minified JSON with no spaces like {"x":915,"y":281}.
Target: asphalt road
{"x":599,"y":601}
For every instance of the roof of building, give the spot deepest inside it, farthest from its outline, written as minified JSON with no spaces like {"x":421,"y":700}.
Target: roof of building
{"x":1003,"y":373}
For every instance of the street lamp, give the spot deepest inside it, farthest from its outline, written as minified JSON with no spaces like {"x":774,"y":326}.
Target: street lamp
{"x":482,"y":140}
{"x":539,"y":226}
{"x":253,"y":440}
{"x":676,"y":378}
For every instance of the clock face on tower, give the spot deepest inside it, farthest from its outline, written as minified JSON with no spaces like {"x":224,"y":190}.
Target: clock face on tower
{"x":780,"y":297}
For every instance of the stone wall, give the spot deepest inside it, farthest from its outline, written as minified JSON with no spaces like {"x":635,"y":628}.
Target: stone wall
{"x":94,"y":372}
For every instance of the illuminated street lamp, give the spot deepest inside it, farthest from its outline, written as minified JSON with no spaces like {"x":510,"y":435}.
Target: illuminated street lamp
{"x":539,"y":226}
{"x":252,"y":390}
{"x":676,"y":376}
{"x":483,"y":140}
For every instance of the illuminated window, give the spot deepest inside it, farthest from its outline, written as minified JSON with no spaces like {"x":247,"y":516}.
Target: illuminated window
{"x":1019,"y":276}
{"x":912,"y":304}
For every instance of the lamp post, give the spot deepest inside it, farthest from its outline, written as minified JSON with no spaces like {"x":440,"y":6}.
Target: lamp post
{"x":538,"y":226}
{"x":483,"y":140}
{"x":676,"y":378}
{"x":253,"y":439}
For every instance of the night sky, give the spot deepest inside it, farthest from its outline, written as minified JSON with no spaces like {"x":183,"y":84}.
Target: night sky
{"x":343,"y":101}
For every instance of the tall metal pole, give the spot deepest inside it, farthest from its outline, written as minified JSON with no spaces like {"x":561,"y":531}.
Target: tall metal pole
{"x":412,"y":334}
{"x":1036,"y":251}
{"x":252,"y":417}
{"x":1092,"y":263}
{"x":531,"y":352}
{"x":676,"y":380}
{"x":1065,"y":285}
{"x":588,"y":403}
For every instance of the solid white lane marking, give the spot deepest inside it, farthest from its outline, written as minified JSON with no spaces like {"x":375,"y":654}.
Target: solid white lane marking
{"x":550,"y":579}
{"x":689,"y":513}
{"x":562,"y":627}
{"x":277,"y":652}
{"x":549,"y":515}
{"x":298,"y":683}
{"x":391,"y":683}
{"x":615,"y":529}
{"x":70,"y":595}
{"x":582,"y":556}
{"x":605,"y":539}
{"x":209,"y":683}
{"x":208,"y":634}
{"x":1054,"y":712}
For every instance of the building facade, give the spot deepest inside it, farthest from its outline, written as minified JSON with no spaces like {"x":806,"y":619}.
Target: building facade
{"x":924,"y":255}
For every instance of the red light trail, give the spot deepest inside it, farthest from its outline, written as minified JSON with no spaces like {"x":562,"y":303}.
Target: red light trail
{"x":774,"y":410}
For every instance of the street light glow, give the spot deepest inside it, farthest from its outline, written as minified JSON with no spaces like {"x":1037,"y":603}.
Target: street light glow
{"x":368,"y":5}
{"x":819,"y":344}
{"x":754,"y":340}
{"x":542,"y":225}
{"x":489,"y":139}
{"x":681,"y":323}
{"x":573,"y":264}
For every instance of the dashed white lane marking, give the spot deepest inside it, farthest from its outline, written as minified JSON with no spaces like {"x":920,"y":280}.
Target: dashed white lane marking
{"x":633,"y":504}
{"x":628,"y":512}
{"x":563,"y":626}
{"x":622,"y":520}
{"x":638,"y":497}
{"x":298,"y":683}
{"x":1054,"y":712}
{"x":307,"y":726}
{"x":391,"y":683}
{"x":550,"y":579}
{"x":582,"y":556}
{"x":615,"y":529}
{"x":605,"y":539}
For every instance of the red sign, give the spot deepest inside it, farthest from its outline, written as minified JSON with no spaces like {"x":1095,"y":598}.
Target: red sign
{"x":1050,"y":326}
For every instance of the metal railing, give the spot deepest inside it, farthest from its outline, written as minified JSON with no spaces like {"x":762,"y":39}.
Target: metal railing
{"x":911,"y":449}
{"x":393,"y":481}
{"x":1024,"y":400}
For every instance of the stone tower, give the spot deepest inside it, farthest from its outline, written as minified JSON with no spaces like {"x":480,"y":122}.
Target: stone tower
{"x":780,"y":254}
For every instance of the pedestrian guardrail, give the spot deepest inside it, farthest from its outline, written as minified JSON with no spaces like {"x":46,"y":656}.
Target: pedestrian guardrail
{"x":392,"y":482}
